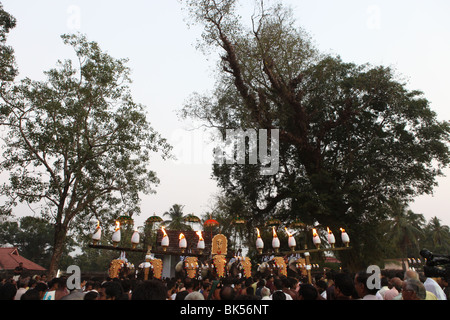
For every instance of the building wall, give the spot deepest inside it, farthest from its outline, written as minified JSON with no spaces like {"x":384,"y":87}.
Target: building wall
{"x":169,"y":263}
{"x":395,"y":264}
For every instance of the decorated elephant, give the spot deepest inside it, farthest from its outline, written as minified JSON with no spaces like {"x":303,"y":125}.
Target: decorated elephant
{"x":187,"y":267}
{"x":151,"y":268}
{"x":274,"y":266}
{"x":265,"y":269}
{"x":215,"y":267}
{"x":239,"y":267}
{"x":120,"y":268}
{"x":296,"y":267}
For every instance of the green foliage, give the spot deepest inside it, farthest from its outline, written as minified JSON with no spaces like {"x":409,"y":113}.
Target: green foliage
{"x":95,"y":260}
{"x":77,"y":143}
{"x":176,"y":218}
{"x":33,"y":237}
{"x":436,"y":237}
{"x":8,"y":69}
{"x":352,"y":137}
{"x":404,"y":233}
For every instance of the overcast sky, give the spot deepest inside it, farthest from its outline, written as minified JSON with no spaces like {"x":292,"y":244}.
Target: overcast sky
{"x":410,"y":36}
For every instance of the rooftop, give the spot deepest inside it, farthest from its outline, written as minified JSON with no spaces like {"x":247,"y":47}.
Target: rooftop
{"x":10,"y":259}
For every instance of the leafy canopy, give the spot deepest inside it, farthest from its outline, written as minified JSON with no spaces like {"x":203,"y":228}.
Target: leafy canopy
{"x":77,"y":143}
{"x":352,"y":137}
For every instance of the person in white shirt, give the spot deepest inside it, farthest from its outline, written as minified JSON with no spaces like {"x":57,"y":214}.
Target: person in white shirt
{"x":288,"y":296}
{"x":265,"y":294}
{"x":23,"y":287}
{"x":432,"y":286}
{"x":384,"y":288}
{"x":278,"y":283}
{"x":322,"y":288}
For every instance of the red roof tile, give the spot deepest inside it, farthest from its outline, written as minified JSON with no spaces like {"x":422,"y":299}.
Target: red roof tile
{"x":10,"y":258}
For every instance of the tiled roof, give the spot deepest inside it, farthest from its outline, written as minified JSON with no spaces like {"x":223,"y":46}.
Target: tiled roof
{"x":10,"y":258}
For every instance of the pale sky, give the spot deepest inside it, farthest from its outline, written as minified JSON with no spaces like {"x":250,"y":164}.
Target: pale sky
{"x":410,"y":36}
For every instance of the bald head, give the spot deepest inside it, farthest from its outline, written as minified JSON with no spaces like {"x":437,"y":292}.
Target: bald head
{"x":410,"y":274}
{"x":413,"y":290}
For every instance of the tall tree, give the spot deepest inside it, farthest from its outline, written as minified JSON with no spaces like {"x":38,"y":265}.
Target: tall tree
{"x":225,"y":210}
{"x":406,"y":228}
{"x":437,"y":236}
{"x":77,"y":142}
{"x":176,"y":218}
{"x":33,"y":236}
{"x":8,"y":70}
{"x":351,"y":137}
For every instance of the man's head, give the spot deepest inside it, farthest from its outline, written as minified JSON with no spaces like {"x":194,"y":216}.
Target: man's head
{"x":113,"y":290}
{"x":343,"y":285}
{"x":413,"y":290}
{"x":41,"y":288}
{"x":150,"y":290}
{"x":307,"y":292}
{"x":279,"y":284}
{"x":397,"y":283}
{"x":238,"y":284}
{"x":265,"y":292}
{"x":227,"y":293}
{"x":279,"y":295}
{"x":53,"y":284}
{"x":411,"y":274}
{"x":8,"y":291}
{"x":361,"y":284}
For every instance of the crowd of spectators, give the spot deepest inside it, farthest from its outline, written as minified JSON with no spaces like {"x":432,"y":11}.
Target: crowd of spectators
{"x":330,"y":286}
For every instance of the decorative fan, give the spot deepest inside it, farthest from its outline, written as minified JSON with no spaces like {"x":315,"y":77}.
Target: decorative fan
{"x":211,"y":223}
{"x":297,"y":223}
{"x":273,"y":222}
{"x":239,"y":220}
{"x":125,"y":220}
{"x":191,"y":218}
{"x":153,"y":219}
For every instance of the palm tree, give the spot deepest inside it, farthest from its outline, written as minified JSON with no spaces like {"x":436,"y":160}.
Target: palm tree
{"x":176,"y":221}
{"x":224,"y":210}
{"x":438,"y":235}
{"x":406,"y":228}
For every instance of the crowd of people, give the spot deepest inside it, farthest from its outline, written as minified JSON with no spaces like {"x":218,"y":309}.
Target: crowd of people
{"x":330,"y":286}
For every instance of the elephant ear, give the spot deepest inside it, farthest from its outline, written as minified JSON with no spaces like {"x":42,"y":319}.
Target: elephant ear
{"x":230,"y":263}
{"x":262,"y":267}
{"x":179,"y":266}
{"x":292,"y":262}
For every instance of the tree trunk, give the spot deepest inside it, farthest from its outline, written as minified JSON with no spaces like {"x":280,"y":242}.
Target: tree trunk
{"x":58,"y":247}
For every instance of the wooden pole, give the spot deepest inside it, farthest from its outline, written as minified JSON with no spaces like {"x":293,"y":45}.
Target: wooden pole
{"x":160,"y":252}
{"x":116,"y":248}
{"x":308,"y":267}
{"x":287,"y":253}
